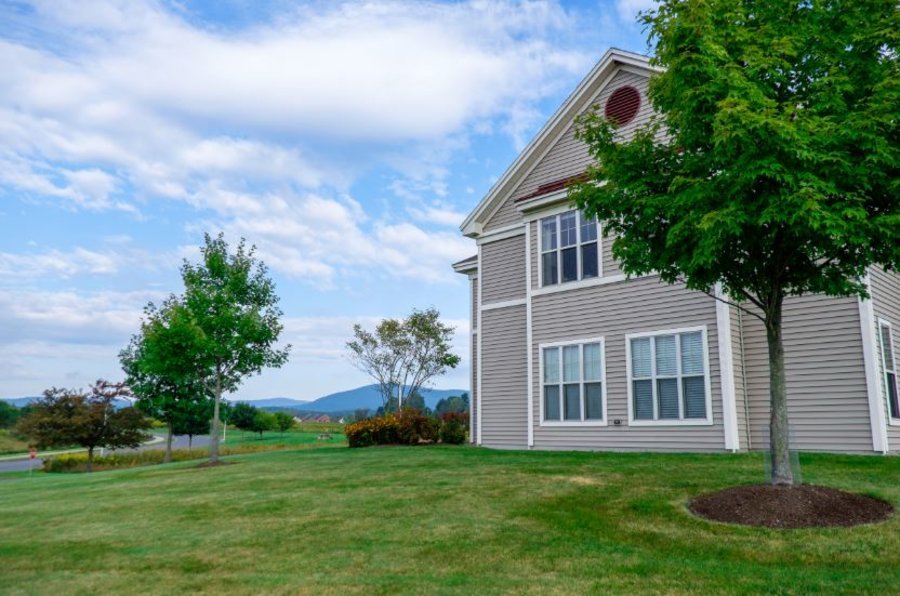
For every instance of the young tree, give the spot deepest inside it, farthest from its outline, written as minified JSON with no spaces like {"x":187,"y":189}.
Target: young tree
{"x":160,"y":369}
{"x":243,"y":415}
{"x":192,"y":418}
{"x":772,"y":167}
{"x":283,"y":422}
{"x":91,"y":420}
{"x":403,"y":356}
{"x":263,"y":421}
{"x":360,"y":414}
{"x":233,"y":305}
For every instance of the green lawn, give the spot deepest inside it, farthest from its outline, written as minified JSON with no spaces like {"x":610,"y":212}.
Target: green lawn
{"x":432,"y":520}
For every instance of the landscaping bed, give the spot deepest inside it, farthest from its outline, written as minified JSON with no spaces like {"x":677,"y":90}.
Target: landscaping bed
{"x":804,"y":506}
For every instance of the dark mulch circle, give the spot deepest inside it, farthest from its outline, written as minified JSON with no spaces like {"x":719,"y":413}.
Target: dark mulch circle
{"x":804,"y":506}
{"x":210,"y":464}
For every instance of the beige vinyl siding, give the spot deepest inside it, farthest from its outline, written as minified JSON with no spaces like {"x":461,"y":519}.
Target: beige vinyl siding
{"x":740,"y":394}
{"x":569,"y":156}
{"x":885,"y":290}
{"x":503,"y":269}
{"x":826,"y":386}
{"x":473,"y":392}
{"x":504,"y":370}
{"x":474,"y":283}
{"x":612,"y":311}
{"x":535,"y":256}
{"x":610,"y":265}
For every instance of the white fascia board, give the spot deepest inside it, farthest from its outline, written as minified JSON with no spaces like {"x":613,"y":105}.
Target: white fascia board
{"x":611,"y":58}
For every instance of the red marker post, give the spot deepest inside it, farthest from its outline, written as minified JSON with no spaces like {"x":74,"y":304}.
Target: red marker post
{"x":32,"y":455}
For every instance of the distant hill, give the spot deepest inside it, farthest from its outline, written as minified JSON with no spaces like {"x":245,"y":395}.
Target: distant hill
{"x":20,"y":401}
{"x":276,"y":402}
{"x":367,"y":397}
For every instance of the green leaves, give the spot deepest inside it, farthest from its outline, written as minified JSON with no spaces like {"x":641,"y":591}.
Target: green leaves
{"x":778,"y":172}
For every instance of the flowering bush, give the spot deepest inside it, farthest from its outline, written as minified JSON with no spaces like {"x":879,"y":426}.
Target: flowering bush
{"x":409,"y":427}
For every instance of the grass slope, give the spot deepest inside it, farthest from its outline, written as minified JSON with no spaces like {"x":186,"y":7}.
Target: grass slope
{"x":11,"y":444}
{"x":433,"y":520}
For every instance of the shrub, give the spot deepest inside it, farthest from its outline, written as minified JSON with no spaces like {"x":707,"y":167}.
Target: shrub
{"x":453,"y":432}
{"x":409,"y":427}
{"x":462,"y":418}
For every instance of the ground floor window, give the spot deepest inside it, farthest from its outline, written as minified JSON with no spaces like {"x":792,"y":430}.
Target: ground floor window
{"x":573,"y":381}
{"x":668,"y":376}
{"x":889,"y":366}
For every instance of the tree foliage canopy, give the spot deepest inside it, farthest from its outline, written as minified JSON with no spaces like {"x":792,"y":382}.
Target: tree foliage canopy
{"x":771,"y":166}
{"x":91,"y":420}
{"x":404,"y":355}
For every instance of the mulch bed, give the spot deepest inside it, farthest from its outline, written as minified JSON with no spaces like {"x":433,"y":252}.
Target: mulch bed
{"x":804,"y":506}
{"x":209,"y":464}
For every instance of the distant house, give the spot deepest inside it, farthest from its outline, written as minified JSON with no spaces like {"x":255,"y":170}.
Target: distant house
{"x":324,"y":418}
{"x":569,"y":353}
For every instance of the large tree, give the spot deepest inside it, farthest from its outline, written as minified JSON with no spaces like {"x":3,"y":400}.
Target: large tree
{"x":161,"y":370}
{"x":771,"y":168}
{"x":234,"y":309}
{"x":91,"y":420}
{"x":404,"y":355}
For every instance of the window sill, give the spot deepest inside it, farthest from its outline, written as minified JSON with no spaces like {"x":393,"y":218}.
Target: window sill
{"x":688,"y":422}
{"x":574,"y":285}
{"x":574,"y":423}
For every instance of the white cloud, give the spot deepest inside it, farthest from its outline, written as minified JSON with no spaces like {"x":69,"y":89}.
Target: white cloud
{"x":142,"y":99}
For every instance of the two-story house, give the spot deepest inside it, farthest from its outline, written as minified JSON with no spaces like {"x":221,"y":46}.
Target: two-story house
{"x":569,"y":353}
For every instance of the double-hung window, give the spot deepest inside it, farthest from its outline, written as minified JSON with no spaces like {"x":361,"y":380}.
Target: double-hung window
{"x":668,"y":377}
{"x":570,"y":248}
{"x":573,"y":383}
{"x":889,"y":368}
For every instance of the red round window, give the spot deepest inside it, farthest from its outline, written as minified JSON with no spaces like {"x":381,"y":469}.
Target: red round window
{"x":623,"y":105}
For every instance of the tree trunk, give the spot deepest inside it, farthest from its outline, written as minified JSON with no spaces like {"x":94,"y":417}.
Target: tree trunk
{"x":779,"y":439}
{"x":214,"y":432}
{"x":168,"y":456}
{"x":90,"y":462}
{"x":190,"y":442}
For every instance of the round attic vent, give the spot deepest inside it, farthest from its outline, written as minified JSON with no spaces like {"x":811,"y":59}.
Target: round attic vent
{"x":623,"y":105}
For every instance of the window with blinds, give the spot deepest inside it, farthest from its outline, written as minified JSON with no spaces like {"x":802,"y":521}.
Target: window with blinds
{"x":889,"y":367}
{"x":573,"y":382}
{"x":668,"y":376}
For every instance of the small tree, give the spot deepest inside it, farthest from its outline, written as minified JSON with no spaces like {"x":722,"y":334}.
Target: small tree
{"x":360,"y":414}
{"x":415,"y":401}
{"x":283,"y":422}
{"x":233,"y":305}
{"x":263,"y":421}
{"x":403,"y":356}
{"x":192,"y":418}
{"x":772,"y":168}
{"x":91,"y":420}
{"x":243,"y":415}
{"x":161,"y":372}
{"x":453,"y":404}
{"x":9,"y":414}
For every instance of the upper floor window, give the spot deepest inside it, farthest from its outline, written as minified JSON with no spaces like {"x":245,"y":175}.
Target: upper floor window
{"x":668,"y":377}
{"x":889,"y":368}
{"x":569,"y":248}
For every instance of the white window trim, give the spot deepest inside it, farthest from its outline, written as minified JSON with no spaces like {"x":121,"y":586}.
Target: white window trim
{"x":580,"y":343}
{"x":706,"y":378}
{"x":891,"y":420}
{"x":559,"y":248}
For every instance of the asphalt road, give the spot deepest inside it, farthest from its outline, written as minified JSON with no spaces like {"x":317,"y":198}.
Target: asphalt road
{"x":178,"y":442}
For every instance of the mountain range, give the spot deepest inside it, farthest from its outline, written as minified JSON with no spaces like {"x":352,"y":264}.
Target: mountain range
{"x":366,"y":397}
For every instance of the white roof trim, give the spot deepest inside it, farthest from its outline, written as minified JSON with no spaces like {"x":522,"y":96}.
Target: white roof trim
{"x":612,"y":59}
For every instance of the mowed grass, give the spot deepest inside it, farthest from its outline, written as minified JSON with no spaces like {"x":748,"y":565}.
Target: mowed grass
{"x":433,"y":520}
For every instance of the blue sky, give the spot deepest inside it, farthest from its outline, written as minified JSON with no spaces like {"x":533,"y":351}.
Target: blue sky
{"x":345,"y":140}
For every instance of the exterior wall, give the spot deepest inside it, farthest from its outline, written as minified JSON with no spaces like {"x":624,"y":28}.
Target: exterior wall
{"x":504,"y":386}
{"x":885,"y":291}
{"x":569,"y":156}
{"x":740,"y":389}
{"x":611,"y":311}
{"x":503,"y":265}
{"x":825,"y":375}
{"x":473,"y":350}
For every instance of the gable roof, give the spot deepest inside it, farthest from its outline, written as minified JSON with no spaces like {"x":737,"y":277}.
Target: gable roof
{"x":602,"y":72}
